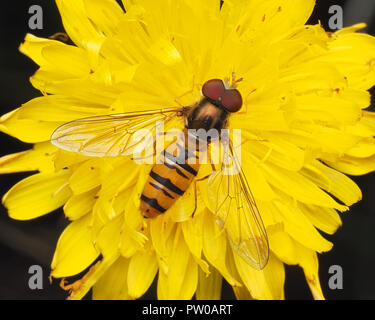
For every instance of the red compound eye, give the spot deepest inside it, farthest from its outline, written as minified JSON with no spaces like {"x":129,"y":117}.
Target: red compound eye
{"x":231,"y":100}
{"x":213,"y":89}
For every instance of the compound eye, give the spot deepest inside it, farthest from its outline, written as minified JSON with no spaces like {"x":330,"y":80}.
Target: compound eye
{"x":231,"y":100}
{"x":213,"y":89}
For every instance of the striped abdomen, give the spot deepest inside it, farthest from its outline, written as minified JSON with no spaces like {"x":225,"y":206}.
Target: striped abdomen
{"x":169,"y":179}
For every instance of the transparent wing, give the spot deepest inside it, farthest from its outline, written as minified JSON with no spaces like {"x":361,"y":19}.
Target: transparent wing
{"x":230,"y":196}
{"x":117,"y":134}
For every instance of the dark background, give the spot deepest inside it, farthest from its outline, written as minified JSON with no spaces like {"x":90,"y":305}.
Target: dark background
{"x":23,"y":244}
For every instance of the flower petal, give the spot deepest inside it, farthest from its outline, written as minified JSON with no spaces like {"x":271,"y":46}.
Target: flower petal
{"x":24,"y":129}
{"x":86,"y":177}
{"x":353,"y":55}
{"x":78,"y":26}
{"x":142,"y":270}
{"x":179,"y":280}
{"x":79,"y":205}
{"x":193,"y":234}
{"x":364,"y":149}
{"x":39,"y":158}
{"x":272,"y":19}
{"x":92,"y":277}
{"x":333,"y":182}
{"x":298,"y":226}
{"x":33,"y":46}
{"x":75,"y":249}
{"x":104,"y":15}
{"x":353,"y":166}
{"x":109,"y":237}
{"x":309,"y":262}
{"x":37,"y":195}
{"x":209,"y":286}
{"x":215,"y":247}
{"x":113,"y":285}
{"x":265,"y":284}
{"x":55,"y":108}
{"x":325,"y":219}
{"x":299,"y":187}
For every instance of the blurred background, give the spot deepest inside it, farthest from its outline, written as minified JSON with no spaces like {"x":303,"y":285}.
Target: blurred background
{"x":23,"y":244}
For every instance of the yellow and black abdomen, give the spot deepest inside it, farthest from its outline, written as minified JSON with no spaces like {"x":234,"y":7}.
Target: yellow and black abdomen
{"x":169,"y":179}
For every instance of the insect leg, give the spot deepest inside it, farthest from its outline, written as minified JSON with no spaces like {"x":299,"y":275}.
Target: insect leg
{"x":177,"y":100}
{"x":61,"y":36}
{"x":245,"y":110}
{"x":76,"y":285}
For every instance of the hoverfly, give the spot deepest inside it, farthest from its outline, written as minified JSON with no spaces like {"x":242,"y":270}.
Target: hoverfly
{"x":111,"y":136}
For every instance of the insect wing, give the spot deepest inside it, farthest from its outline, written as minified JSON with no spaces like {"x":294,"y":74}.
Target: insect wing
{"x":114,"y":135}
{"x":232,"y":201}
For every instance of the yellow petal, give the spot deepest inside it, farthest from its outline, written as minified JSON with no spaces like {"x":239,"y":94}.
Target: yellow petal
{"x":84,"y":89}
{"x":86,"y":177}
{"x":265,"y":284}
{"x":209,"y":286}
{"x":299,"y":187}
{"x":334,"y":182}
{"x":54,"y":108}
{"x":364,"y":149}
{"x":104,"y":15}
{"x":180,"y":280}
{"x":121,"y":174}
{"x":277,"y":151}
{"x":242,"y":293}
{"x":325,"y":219}
{"x":327,"y":109}
{"x":65,"y":159}
{"x":365,"y":127}
{"x":24,"y":129}
{"x":92,"y":276}
{"x":66,"y":59}
{"x":283,"y":246}
{"x":113,"y":285}
{"x":273,"y":19}
{"x":260,"y":188}
{"x":37,"y":195}
{"x":308,"y":76}
{"x":75,"y":249}
{"x":353,"y":55}
{"x":165,"y":52}
{"x":310,"y":264}
{"x":161,"y":229}
{"x":351,"y":29}
{"x":193,"y":234}
{"x":33,"y":46}
{"x":79,"y":205}
{"x":133,"y":237}
{"x":292,"y":252}
{"x":78,"y":26}
{"x":108,"y":239}
{"x":39,"y":158}
{"x":215,"y":247}
{"x":298,"y":226}
{"x":142,"y":270}
{"x":262,"y":120}
{"x":354,"y":166}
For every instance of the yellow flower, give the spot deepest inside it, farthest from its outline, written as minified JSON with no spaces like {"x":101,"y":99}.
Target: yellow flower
{"x":304,"y":90}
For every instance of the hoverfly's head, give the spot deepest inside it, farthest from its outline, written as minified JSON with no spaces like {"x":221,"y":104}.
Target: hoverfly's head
{"x":221,"y":95}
